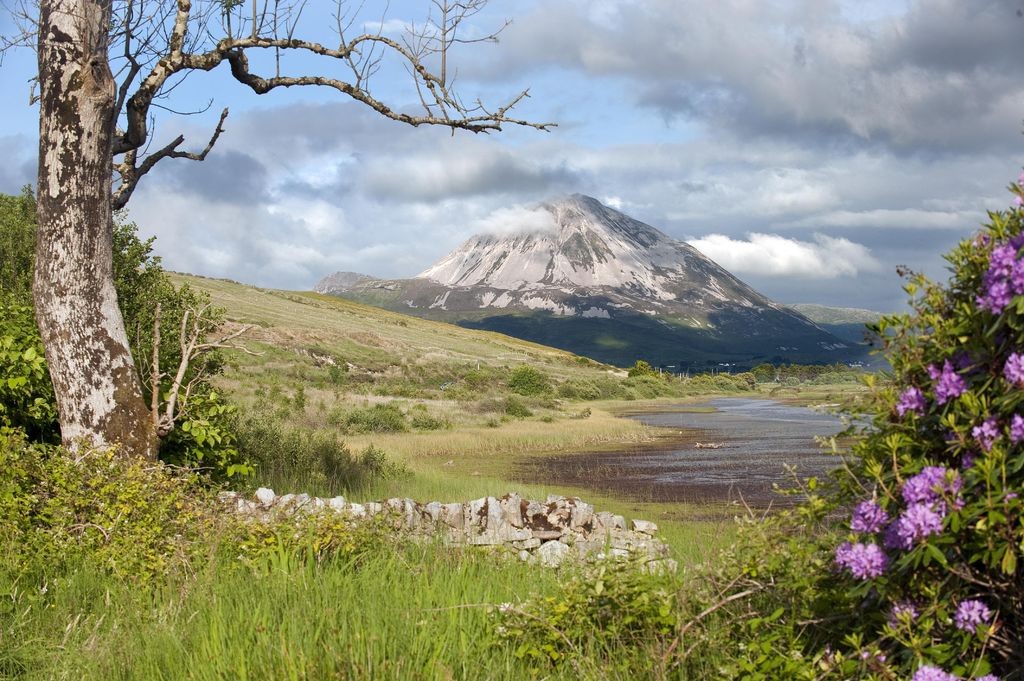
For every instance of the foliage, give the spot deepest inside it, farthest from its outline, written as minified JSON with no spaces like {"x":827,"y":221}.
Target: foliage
{"x":130,"y":517}
{"x":930,"y":533}
{"x":17,"y":243}
{"x":596,"y":618}
{"x":26,"y":393}
{"x":205,"y":439}
{"x":515,"y":408}
{"x":378,"y":418}
{"x":526,"y":380}
{"x":201,"y":439}
{"x":641,"y":368}
{"x":313,"y":460}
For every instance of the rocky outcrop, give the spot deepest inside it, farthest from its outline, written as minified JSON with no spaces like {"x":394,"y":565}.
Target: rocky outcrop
{"x":550,"y":532}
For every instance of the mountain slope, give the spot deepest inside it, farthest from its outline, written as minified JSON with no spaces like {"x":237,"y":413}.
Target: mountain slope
{"x":590,"y":279}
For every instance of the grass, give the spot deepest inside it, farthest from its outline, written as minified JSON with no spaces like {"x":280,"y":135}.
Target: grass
{"x":411,"y":612}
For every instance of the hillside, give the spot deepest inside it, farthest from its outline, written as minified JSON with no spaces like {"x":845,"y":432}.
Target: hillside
{"x":847,"y":323}
{"x":589,"y":279}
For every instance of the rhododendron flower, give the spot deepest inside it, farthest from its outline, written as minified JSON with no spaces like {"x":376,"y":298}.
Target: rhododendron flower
{"x":914,"y":524}
{"x":1016,"y":428}
{"x":948,"y":383}
{"x":1013,"y":370}
{"x":987,"y":433}
{"x":970,"y":614}
{"x":933,"y":673}
{"x":864,"y":561}
{"x":929,"y":485}
{"x":868,"y":517}
{"x":911,"y":400}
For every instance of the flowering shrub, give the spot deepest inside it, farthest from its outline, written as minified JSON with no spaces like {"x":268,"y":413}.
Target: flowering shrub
{"x":936,"y":531}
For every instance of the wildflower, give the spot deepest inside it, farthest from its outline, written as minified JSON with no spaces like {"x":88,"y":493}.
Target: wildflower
{"x":914,"y":524}
{"x":1016,"y":428}
{"x":1013,"y":370}
{"x":911,"y":400}
{"x":932,"y":673}
{"x":903,"y":611}
{"x":929,"y":485}
{"x":949,"y":384}
{"x":864,"y":561}
{"x":868,"y":517}
{"x":987,"y":677}
{"x":997,"y":295}
{"x":987,"y":433}
{"x":970,"y":614}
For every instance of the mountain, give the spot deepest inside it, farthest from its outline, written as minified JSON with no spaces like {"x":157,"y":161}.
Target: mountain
{"x":848,"y":323}
{"x":341,"y":281}
{"x":587,"y":278}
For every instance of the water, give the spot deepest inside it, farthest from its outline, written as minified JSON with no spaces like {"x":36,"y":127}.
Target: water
{"x":758,"y":439}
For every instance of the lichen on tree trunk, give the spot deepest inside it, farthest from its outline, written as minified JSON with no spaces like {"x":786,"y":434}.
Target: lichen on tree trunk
{"x":99,"y":397}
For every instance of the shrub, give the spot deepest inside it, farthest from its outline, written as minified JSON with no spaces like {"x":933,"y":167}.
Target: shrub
{"x":515,"y":408}
{"x":26,"y":394}
{"x":926,"y":563}
{"x":641,"y":368}
{"x":608,"y":616}
{"x":579,"y":389}
{"x":130,"y":517}
{"x":525,"y":380}
{"x":380,"y":418}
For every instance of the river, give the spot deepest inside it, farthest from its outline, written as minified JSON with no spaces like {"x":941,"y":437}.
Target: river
{"x":755,"y":440}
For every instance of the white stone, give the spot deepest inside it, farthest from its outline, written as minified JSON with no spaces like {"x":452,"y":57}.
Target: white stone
{"x":357,"y":511}
{"x":645,"y":527}
{"x":552,"y":553}
{"x":337,"y":503}
{"x":265,"y":496}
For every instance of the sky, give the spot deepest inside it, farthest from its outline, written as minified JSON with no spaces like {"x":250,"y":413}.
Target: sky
{"x":808,"y":146}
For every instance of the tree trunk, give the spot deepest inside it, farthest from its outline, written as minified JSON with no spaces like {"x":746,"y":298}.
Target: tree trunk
{"x":99,"y":398}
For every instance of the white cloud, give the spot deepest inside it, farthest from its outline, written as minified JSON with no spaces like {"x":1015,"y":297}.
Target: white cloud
{"x":518,"y":219}
{"x":776,"y":256}
{"x":886,"y":218}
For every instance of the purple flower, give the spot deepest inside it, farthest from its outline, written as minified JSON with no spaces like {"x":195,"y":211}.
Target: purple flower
{"x":903,"y":611}
{"x":868,"y":517}
{"x":1017,"y":278}
{"x":970,"y":614}
{"x":911,"y":400}
{"x":1013,"y":370}
{"x":864,"y":561}
{"x":932,"y":673}
{"x":987,"y":677}
{"x":914,"y":524}
{"x":1016,"y":428}
{"x":997,"y":295}
{"x":929,"y":485}
{"x":948,"y":383}
{"x":967,"y":460}
{"x":987,"y":433}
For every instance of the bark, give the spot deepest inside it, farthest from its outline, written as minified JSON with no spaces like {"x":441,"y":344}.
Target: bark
{"x":99,"y":397}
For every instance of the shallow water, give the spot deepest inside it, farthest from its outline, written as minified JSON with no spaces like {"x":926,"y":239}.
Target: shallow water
{"x":758,"y":437}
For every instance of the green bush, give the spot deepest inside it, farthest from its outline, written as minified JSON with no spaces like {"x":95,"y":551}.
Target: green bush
{"x":580,"y":389}
{"x":26,"y":393}
{"x":609,"y":617}
{"x":641,"y":368}
{"x":526,"y":380}
{"x":128,"y":517}
{"x":379,"y":418}
{"x":515,"y":408}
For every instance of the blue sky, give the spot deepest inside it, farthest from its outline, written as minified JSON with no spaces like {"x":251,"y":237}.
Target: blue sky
{"x":809,"y":146}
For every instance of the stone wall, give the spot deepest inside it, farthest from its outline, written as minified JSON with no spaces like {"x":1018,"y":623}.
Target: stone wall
{"x":550,"y":532}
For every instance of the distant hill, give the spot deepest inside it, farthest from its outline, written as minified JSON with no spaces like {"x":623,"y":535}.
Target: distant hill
{"x":847,"y":323}
{"x":587,"y":278}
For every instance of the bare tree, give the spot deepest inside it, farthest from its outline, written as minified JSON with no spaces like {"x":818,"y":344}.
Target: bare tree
{"x":105,"y":69}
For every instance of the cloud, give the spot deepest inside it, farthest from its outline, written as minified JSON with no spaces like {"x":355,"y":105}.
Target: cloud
{"x":776,"y":256}
{"x":939,"y":75}
{"x":516,"y":220}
